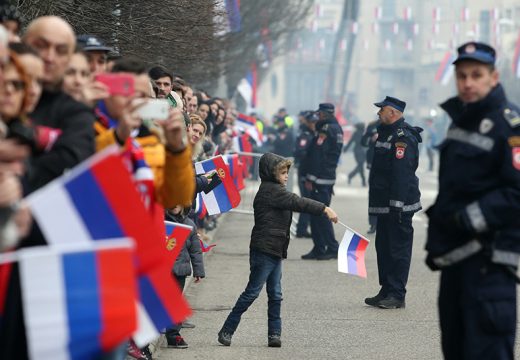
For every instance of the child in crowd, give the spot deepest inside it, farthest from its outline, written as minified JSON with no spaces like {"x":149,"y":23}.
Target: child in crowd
{"x":190,"y":256}
{"x":273,"y":206}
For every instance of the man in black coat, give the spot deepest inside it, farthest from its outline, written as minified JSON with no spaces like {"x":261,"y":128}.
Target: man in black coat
{"x":394,"y":197}
{"x":474,"y":227}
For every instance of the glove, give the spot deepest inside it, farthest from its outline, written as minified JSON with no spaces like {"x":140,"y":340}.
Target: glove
{"x":429,"y":262}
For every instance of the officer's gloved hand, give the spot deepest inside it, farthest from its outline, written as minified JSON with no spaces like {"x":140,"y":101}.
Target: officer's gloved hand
{"x":395,"y":213}
{"x":430,"y":263}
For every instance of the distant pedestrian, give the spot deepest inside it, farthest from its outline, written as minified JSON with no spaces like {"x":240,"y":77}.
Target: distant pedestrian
{"x":394,"y":197}
{"x":474,"y":228}
{"x":431,"y":143}
{"x":359,"y":153}
{"x":273,"y":207}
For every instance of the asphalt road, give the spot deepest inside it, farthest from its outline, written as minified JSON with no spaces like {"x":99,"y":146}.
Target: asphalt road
{"x":323,"y":312}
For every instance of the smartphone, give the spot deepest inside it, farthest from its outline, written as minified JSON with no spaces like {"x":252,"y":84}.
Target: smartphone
{"x":156,"y":109}
{"x":117,"y":83}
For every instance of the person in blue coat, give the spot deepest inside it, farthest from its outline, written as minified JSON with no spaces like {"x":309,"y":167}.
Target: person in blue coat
{"x":474,"y":227}
{"x":394,"y":197}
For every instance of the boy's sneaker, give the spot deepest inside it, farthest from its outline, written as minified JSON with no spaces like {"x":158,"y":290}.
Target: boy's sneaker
{"x":134,"y":352}
{"x":274,"y":340}
{"x":176,"y":342}
{"x":224,"y":337}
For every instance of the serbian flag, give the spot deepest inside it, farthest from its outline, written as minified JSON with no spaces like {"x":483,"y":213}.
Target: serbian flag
{"x":241,"y":144}
{"x":204,"y":247}
{"x":249,"y":125}
{"x":5,"y":272}
{"x":161,"y":304}
{"x":235,"y":170}
{"x":200,"y":208}
{"x":78,"y":301}
{"x":97,"y":200}
{"x":351,"y":254}
{"x":224,"y":196}
{"x":446,"y":69}
{"x":176,"y":236}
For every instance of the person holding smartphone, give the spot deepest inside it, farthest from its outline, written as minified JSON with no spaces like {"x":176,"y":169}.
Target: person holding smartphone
{"x":118,"y":121}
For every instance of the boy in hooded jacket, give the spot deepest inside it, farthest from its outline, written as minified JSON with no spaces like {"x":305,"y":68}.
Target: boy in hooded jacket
{"x":273,"y":207}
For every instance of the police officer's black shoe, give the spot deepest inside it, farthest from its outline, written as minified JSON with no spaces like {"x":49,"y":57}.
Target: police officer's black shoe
{"x":305,"y":234}
{"x":309,"y":256}
{"x":327,"y":256}
{"x":374,"y":301}
{"x":391,"y":302}
{"x":371,"y":230}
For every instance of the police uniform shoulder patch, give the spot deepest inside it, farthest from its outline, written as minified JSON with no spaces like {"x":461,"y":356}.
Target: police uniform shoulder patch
{"x":321,"y":138}
{"x":512,"y":117}
{"x":400,"y":132}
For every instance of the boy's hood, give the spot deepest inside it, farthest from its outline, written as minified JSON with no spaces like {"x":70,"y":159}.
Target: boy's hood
{"x":268,"y":163}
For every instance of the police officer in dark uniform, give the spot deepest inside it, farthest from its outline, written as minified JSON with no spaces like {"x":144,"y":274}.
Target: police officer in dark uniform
{"x":394,"y":197}
{"x":303,"y":142}
{"x":369,"y":140}
{"x":321,"y":162}
{"x":474,"y":224}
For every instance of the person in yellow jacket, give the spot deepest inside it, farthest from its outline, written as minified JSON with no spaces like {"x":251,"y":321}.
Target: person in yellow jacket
{"x":168,"y":154}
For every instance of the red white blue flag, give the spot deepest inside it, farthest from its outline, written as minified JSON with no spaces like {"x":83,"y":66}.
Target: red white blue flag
{"x":446,"y":69}
{"x":78,"y":301}
{"x":250,"y":126}
{"x":200,"y":208}
{"x":97,"y":200}
{"x":235,"y":170}
{"x":176,"y":236}
{"x":351,"y":254}
{"x":224,"y":196}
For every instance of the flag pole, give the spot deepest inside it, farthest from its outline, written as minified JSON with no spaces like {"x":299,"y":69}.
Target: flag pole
{"x":355,"y":232}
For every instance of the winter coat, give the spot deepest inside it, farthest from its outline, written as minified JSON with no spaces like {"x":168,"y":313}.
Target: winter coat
{"x":191,"y":253}
{"x":273,"y":207}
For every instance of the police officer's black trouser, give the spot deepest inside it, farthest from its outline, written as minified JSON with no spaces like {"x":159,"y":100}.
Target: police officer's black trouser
{"x":477,"y":310}
{"x":394,"y":239}
{"x":321,"y":227}
{"x":304,"y":218}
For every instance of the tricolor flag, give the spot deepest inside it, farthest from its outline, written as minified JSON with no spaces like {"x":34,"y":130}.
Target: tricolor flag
{"x":78,"y":301}
{"x":161,"y":303}
{"x":241,"y":144}
{"x":206,"y":248}
{"x":225,"y":196}
{"x":351,"y":254}
{"x":446,"y":69}
{"x":247,"y":87}
{"x":200,"y":208}
{"x":97,"y":200}
{"x":516,"y":58}
{"x":250,"y":126}
{"x":176,"y":235}
{"x":235,"y":170}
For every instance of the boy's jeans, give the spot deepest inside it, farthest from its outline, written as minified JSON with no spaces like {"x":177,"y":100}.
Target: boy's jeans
{"x":265,"y":268}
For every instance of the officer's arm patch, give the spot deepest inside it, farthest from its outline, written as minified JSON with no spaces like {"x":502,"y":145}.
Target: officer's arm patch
{"x":400,"y":148}
{"x":512,"y":117}
{"x":321,"y":138}
{"x":516,"y":157}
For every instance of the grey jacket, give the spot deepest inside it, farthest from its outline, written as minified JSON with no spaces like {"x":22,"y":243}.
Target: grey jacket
{"x":191,"y":253}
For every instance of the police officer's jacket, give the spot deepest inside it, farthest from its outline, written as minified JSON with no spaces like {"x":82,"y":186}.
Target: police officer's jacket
{"x":324,"y":152}
{"x":393,"y":183}
{"x":479,"y":180}
{"x":302,"y":145}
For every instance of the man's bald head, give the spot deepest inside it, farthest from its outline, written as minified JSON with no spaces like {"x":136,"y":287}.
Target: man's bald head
{"x":53,"y":38}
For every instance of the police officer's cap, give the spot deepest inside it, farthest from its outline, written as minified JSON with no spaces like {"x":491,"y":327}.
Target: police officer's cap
{"x":311,"y":116}
{"x":92,"y":43}
{"x":326,"y":107}
{"x":393,"y":102}
{"x":476,"y":51}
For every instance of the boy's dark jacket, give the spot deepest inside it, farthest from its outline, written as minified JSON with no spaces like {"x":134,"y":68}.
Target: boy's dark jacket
{"x":273,"y":206}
